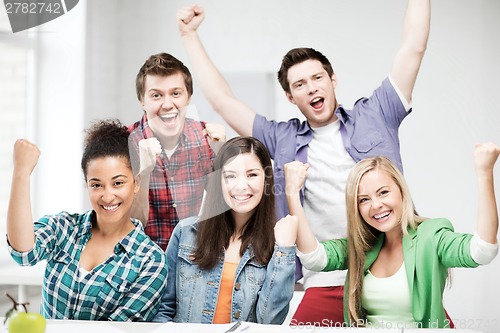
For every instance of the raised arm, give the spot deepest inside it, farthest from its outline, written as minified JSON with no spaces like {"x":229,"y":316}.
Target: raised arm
{"x":295,"y":175}
{"x":215,"y":88}
{"x":485,"y":157}
{"x":20,"y":230}
{"x":416,"y":29}
{"x":149,"y":149}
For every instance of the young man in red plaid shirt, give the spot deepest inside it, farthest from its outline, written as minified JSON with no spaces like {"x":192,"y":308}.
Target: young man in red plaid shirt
{"x":175,"y":153}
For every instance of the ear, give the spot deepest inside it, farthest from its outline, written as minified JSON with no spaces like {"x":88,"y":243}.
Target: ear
{"x":137,"y":185}
{"x":334,"y":80}
{"x":289,"y":97}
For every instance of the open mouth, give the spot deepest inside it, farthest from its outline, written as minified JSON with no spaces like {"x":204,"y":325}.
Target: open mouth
{"x":317,"y":103}
{"x":241,"y":198}
{"x":383,"y":216}
{"x":111,"y":208}
{"x":170,"y":118}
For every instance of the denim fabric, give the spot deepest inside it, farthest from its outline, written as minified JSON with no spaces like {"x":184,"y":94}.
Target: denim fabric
{"x":261,"y":293}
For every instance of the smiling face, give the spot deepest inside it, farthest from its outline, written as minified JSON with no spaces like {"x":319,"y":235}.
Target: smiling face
{"x":111,"y":187}
{"x":243,"y":185}
{"x":312,"y":90}
{"x":380,"y":202}
{"x":165,"y":101}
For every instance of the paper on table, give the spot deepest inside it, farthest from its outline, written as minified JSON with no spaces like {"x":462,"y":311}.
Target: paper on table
{"x":81,"y":328}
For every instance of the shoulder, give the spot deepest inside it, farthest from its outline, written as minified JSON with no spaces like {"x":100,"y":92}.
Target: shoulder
{"x":192,"y":221}
{"x":192,"y":126}
{"x":67,"y":219}
{"x":185,"y":226}
{"x":293,"y":124}
{"x":431,"y":226}
{"x":146,"y":248}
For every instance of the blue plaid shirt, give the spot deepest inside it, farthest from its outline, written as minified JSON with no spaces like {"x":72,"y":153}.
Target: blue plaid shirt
{"x":126,"y":287}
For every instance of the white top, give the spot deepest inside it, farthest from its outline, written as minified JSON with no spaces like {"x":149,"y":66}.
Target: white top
{"x":83,"y":273}
{"x":387,"y":301}
{"x":324,"y":200}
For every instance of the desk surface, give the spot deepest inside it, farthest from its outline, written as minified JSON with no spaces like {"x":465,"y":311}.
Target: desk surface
{"x":75,"y":326}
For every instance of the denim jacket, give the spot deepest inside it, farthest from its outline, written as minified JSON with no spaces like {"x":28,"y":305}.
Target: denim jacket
{"x":261,"y":293}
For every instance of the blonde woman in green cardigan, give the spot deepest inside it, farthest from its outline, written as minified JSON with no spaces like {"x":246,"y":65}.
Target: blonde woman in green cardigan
{"x":399,"y":260}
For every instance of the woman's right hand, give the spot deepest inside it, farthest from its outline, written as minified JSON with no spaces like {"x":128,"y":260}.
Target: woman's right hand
{"x":26,"y":156}
{"x":285,"y":230}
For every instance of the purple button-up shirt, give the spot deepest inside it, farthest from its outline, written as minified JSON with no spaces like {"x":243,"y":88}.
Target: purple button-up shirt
{"x":369,"y":129}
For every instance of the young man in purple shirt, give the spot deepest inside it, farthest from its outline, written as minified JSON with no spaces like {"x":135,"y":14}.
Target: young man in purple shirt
{"x":331,"y":141}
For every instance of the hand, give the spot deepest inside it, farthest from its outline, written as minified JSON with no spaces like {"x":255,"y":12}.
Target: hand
{"x":189,"y":18}
{"x":215,"y":132}
{"x":26,"y":156}
{"x":149,"y":149}
{"x":295,"y":176}
{"x":285,"y":230}
{"x":485,"y":157}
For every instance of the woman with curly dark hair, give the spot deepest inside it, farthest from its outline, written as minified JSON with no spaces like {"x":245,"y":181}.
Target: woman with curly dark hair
{"x":100,"y":264}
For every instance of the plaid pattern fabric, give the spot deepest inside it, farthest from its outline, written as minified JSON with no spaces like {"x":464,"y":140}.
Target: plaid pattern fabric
{"x":126,"y":287}
{"x":176,"y":184}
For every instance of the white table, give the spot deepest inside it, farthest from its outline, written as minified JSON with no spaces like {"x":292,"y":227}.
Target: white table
{"x":75,"y":326}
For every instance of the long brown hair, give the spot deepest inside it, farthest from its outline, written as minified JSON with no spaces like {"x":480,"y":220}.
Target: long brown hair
{"x":217,"y":224}
{"x":361,"y":237}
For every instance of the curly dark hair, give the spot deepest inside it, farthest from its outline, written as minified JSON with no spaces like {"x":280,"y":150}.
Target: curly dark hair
{"x":105,"y":138}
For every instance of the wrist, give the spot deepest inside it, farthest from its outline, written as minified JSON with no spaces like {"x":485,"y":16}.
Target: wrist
{"x":188,"y":34}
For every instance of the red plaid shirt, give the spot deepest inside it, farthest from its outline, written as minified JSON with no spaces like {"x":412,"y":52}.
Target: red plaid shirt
{"x":176,"y":184}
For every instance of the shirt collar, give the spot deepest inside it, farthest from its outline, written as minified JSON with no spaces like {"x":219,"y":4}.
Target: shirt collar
{"x":184,"y":137}
{"x":342,"y":114}
{"x":128,"y":243}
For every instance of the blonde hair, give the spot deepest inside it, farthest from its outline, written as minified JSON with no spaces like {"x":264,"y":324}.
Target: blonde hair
{"x":362,"y":236}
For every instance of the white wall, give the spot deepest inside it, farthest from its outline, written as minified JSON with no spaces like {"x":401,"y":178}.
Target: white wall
{"x":453,"y":99}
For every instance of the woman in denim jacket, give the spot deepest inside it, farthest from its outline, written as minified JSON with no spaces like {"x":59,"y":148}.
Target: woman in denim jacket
{"x":228,"y":265}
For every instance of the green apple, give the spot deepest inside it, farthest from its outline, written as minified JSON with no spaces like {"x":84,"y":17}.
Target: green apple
{"x":26,"y":322}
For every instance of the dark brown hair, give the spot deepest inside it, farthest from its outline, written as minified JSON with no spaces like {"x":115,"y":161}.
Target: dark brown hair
{"x":217,"y":224}
{"x":297,"y":56}
{"x":105,"y":138}
{"x":162,"y":64}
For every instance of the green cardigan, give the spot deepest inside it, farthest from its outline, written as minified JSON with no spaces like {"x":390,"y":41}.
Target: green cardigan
{"x":428,"y":253}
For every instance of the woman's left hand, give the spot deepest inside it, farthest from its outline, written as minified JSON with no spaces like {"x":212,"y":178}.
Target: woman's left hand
{"x":485,"y":156}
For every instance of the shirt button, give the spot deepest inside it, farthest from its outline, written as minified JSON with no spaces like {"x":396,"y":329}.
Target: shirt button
{"x":280,"y":254}
{"x":237,"y":314}
{"x":172,"y":178}
{"x":174,"y":205}
{"x":237,"y":286}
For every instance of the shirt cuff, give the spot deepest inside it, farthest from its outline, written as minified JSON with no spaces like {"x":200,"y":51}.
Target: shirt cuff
{"x":315,"y":260}
{"x":407,"y":105}
{"x":482,"y":252}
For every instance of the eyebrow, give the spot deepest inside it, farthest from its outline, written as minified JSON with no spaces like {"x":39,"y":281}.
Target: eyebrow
{"x":378,"y":190}
{"x":249,"y":170}
{"x":115,"y":177}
